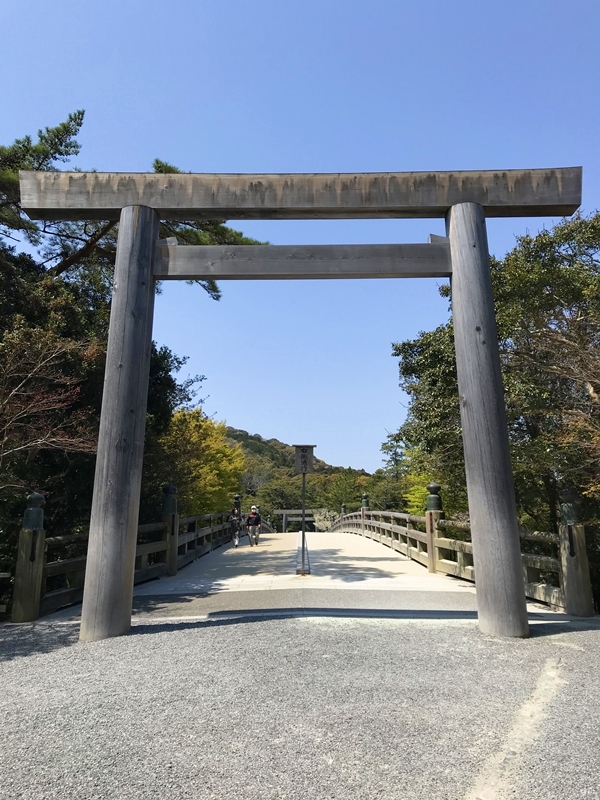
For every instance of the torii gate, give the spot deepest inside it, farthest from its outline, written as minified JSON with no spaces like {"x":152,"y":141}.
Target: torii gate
{"x":140,"y":200}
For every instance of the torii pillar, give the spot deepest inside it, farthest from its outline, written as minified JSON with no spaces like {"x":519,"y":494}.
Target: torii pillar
{"x":501,"y":604}
{"x":108,"y":591}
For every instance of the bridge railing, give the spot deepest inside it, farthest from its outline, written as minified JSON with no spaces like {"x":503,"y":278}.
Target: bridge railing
{"x":555,"y":566}
{"x":50,"y":570}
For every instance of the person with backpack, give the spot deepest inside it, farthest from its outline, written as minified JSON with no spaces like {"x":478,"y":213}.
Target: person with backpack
{"x":253,"y":525}
{"x":235,"y":520}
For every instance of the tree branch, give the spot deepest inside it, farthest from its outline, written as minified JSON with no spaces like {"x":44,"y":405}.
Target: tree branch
{"x":64,"y":265}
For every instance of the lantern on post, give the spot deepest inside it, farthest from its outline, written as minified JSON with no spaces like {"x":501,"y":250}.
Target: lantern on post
{"x":304,"y":464}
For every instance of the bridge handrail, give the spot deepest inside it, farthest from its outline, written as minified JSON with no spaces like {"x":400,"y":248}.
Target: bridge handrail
{"x":441,"y":548}
{"x":55,"y":577}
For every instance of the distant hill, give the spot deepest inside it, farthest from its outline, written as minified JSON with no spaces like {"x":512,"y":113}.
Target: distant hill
{"x":280,"y":455}
{"x":270,"y":480}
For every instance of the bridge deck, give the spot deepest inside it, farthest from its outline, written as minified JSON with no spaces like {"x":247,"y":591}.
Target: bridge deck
{"x":349,"y":575}
{"x":347,"y":572}
{"x":380,"y":685}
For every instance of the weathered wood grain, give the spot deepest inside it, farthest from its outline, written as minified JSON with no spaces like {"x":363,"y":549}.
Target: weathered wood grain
{"x":102,"y":195}
{"x":493,"y":514}
{"x":114,"y":519}
{"x":297,"y":262}
{"x":29,"y":570}
{"x":576,"y":582}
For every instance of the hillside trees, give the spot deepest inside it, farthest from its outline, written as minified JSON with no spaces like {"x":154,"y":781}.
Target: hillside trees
{"x":270,"y":480}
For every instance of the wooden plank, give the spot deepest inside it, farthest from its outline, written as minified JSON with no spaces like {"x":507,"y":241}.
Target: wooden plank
{"x":190,"y":520}
{"x":546,"y":563}
{"x":64,"y":566}
{"x":52,"y":601}
{"x":102,"y":195}
{"x":292,"y":511}
{"x":302,"y":262}
{"x":546,"y":594}
{"x":150,"y":547}
{"x":151,"y":527}
{"x":539,"y":536}
{"x":56,"y":541}
{"x":190,"y":536}
{"x":149,"y":573}
{"x":454,"y":544}
{"x":187,"y":558}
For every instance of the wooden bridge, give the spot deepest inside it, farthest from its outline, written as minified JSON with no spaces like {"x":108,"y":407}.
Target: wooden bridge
{"x":50,"y":570}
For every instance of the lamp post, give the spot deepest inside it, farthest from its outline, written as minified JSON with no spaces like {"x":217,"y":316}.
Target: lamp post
{"x":304,"y":464}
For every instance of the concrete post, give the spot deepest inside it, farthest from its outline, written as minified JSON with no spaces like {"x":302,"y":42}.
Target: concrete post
{"x":577,"y":585}
{"x":496,"y":548}
{"x":29,"y":571}
{"x":432,"y":515}
{"x":108,"y":587}
{"x":170,"y":517}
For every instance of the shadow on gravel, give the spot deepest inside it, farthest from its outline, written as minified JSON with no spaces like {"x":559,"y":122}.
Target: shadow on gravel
{"x":221,"y":618}
{"x":544,"y":624}
{"x":22,"y":641}
{"x":552,"y":628}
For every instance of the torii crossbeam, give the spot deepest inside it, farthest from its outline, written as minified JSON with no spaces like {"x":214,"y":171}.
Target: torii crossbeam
{"x":140,"y":200}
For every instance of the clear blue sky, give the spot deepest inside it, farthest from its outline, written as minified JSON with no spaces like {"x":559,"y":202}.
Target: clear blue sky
{"x":311,"y":86}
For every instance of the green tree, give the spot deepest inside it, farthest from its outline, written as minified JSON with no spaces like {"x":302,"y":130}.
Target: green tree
{"x":198,"y":458}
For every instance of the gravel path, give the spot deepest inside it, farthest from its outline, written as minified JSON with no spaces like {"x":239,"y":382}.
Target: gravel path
{"x":304,"y":707}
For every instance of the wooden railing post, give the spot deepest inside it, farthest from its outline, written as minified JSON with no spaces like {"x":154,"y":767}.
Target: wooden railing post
{"x":409,"y":526}
{"x":170,"y":517}
{"x":577,"y":585}
{"x":29,"y":571}
{"x":432,"y":515}
{"x":364,"y":508}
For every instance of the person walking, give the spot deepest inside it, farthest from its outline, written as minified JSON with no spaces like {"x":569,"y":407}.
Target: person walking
{"x":235,"y":520}
{"x":253,"y":525}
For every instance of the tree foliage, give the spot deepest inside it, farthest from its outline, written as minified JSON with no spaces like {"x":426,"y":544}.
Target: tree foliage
{"x":547,"y":302}
{"x":200,"y":461}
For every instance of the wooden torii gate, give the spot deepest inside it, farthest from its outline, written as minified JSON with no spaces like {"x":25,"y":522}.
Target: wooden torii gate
{"x":294,"y":515}
{"x":140,"y":200}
